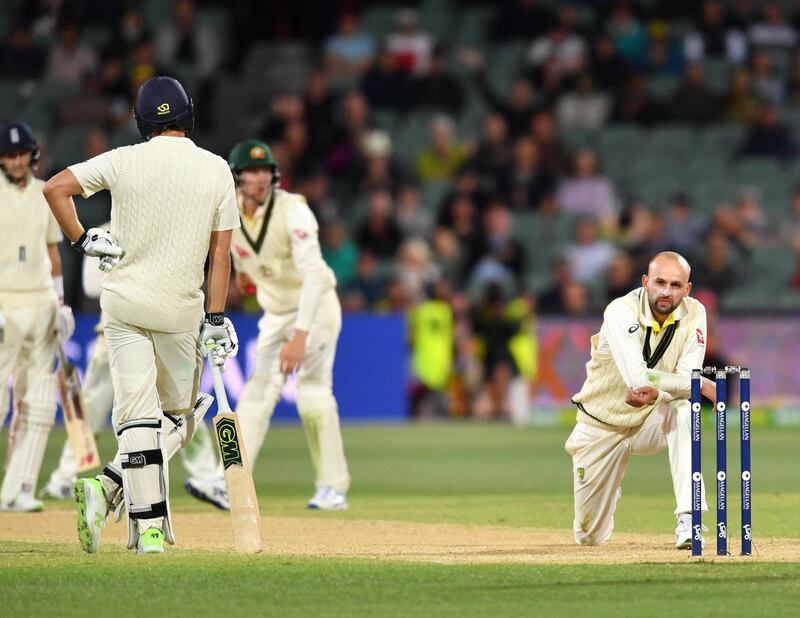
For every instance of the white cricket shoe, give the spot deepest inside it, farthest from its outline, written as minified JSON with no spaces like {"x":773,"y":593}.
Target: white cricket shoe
{"x":23,"y":503}
{"x":328,"y":499}
{"x":211,"y":490}
{"x":92,"y":511}
{"x":683,"y":532}
{"x":57,"y":491}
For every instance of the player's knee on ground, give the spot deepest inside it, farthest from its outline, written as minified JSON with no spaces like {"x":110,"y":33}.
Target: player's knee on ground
{"x":589,"y":532}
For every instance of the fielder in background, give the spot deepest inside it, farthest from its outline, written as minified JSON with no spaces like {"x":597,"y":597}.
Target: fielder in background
{"x":173,"y":205}
{"x":636,"y":397}
{"x":277,"y":251}
{"x":198,"y":458}
{"x":32,"y":314}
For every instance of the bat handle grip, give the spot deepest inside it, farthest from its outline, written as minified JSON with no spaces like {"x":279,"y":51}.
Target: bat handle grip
{"x":219,"y":389}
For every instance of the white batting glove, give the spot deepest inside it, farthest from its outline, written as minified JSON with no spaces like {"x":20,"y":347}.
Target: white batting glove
{"x":98,"y":243}
{"x":65,"y":323}
{"x":218,"y":340}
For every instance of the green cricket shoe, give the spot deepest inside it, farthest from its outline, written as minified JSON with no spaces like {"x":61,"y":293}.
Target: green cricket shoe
{"x":151,"y":541}
{"x":92,"y":511}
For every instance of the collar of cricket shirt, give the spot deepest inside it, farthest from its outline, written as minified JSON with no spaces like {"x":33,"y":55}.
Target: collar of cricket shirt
{"x":257,"y":243}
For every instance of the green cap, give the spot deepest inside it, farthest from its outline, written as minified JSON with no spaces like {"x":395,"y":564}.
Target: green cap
{"x":251,"y":153}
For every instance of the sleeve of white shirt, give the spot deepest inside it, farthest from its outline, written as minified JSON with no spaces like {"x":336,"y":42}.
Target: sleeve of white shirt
{"x":226,"y":217}
{"x":679,"y":383}
{"x":307,"y":257}
{"x":622,"y":331}
{"x":98,"y":173}
{"x":53,"y":233}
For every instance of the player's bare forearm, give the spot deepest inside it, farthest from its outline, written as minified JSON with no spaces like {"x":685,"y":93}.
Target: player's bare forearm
{"x":58,"y":192}
{"x":219,"y":270}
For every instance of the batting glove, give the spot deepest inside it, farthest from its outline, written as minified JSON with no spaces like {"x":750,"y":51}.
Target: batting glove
{"x":65,"y":323}
{"x":98,"y":243}
{"x":218,"y":340}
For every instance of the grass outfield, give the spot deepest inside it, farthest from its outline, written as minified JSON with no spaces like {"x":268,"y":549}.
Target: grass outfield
{"x":482,"y":479}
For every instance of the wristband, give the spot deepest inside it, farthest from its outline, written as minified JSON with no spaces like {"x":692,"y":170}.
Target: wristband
{"x":78,"y":244}
{"x":215,"y":319}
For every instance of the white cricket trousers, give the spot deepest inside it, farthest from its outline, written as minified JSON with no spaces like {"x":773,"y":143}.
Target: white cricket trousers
{"x":316,"y":404}
{"x":600,"y":458}
{"x":152,"y":372}
{"x":27,"y":353}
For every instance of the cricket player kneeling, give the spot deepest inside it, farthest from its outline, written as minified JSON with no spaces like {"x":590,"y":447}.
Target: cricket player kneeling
{"x":277,"y":250}
{"x":635,"y":398}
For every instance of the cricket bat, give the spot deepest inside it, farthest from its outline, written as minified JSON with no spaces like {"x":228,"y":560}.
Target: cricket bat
{"x":79,"y":431}
{"x":245,"y":514}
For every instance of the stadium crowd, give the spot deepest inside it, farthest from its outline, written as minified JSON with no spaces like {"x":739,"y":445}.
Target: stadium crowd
{"x":471,"y":164}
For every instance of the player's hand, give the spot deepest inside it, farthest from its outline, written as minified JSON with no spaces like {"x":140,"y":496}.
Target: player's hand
{"x":218,"y":340}
{"x":638,"y":397}
{"x":293,"y":352}
{"x":244,"y":283}
{"x":65,"y":323}
{"x":708,"y":388}
{"x":98,"y":243}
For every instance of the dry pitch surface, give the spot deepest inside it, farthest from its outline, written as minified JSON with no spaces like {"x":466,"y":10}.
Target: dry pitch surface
{"x":392,"y":540}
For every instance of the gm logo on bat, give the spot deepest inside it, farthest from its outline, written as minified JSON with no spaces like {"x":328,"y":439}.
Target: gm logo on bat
{"x":229,"y":443}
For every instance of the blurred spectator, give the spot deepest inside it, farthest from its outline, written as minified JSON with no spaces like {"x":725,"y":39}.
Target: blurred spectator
{"x":524,"y":183}
{"x":744,"y":12}
{"x":497,"y":255}
{"x":588,"y":255}
{"x":129,"y":31}
{"x":187,"y":41}
{"x":495,"y":332}
{"x":773,"y":33}
{"x":385,"y":85}
{"x":378,"y":233}
{"x":444,"y":156}
{"x":348,"y":135}
{"x":368,"y":288}
{"x":20,"y":56}
{"x":636,"y":105}
{"x":298,"y":160}
{"x":89,"y":107}
{"x":142,"y":66}
{"x":552,"y":152}
{"x":562,"y":43}
{"x":431,"y":327}
{"x":587,"y":192}
{"x":340,"y":253}
{"x":743,"y":102}
{"x":70,"y":59}
{"x":520,"y":20}
{"x":494,"y":151}
{"x":627,"y":32}
{"x":769,"y":137}
{"x":461,"y":218}
{"x":414,"y":219}
{"x":447,"y":256}
{"x":750,"y":217}
{"x":715,"y":270}
{"x":376,"y":170}
{"x":694,"y":101}
{"x":318,"y":106}
{"x":411,"y":47}
{"x":661,"y":56}
{"x":415,"y":268}
{"x":438,"y":89}
{"x":551,"y":300}
{"x":575,"y":299}
{"x":621,"y":277}
{"x":715,"y":36}
{"x":767,"y":80}
{"x":285,"y":109}
{"x":684,"y":227}
{"x":351,"y":50}
{"x":608,"y":67}
{"x":584,"y":108}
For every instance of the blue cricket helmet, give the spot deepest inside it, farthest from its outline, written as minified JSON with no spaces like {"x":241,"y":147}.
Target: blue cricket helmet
{"x":162,"y":101}
{"x":16,"y":136}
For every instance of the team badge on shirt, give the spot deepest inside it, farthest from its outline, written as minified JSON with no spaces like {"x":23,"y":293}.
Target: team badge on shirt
{"x":700,"y":339}
{"x":581,"y":475}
